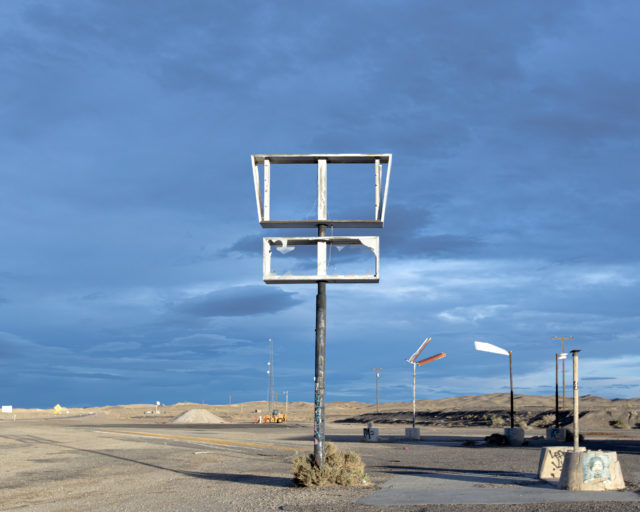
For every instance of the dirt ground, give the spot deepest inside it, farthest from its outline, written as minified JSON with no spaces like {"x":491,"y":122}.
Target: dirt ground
{"x":95,"y":463}
{"x":128,"y":457}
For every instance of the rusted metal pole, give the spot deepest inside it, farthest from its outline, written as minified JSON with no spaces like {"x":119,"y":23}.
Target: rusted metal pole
{"x":321,"y":349}
{"x":576,"y":413}
{"x":511,"y":382}
{"x":557,"y":411}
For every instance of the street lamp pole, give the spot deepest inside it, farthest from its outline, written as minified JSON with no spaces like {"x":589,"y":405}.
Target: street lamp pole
{"x":557,"y":412}
{"x":511,"y":383}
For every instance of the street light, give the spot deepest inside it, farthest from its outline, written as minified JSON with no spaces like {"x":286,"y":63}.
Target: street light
{"x":488,"y":347}
{"x":562,"y":356}
{"x":412,"y":360}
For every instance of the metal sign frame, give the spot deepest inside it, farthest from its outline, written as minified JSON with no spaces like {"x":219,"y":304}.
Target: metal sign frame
{"x":263,"y":191}
{"x":323,"y":243}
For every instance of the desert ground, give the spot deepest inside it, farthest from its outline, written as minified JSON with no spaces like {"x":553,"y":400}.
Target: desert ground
{"x":128,"y":457}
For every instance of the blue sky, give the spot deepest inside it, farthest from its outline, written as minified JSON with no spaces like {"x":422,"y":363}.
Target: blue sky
{"x":131,"y":268}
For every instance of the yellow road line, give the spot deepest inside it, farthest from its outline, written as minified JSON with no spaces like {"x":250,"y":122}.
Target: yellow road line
{"x":209,"y":440}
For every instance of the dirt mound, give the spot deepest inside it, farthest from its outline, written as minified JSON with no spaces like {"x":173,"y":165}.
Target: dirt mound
{"x":197,"y":416}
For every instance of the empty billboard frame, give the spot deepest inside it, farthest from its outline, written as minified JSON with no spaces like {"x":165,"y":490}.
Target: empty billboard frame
{"x":261,"y":165}
{"x":322,"y":243}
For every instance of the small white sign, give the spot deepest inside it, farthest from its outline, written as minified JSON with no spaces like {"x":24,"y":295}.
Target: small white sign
{"x":7,"y":408}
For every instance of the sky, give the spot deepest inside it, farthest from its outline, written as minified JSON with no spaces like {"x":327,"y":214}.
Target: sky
{"x":131,"y":263}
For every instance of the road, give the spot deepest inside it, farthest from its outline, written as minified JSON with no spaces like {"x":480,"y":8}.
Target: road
{"x":83,"y":465}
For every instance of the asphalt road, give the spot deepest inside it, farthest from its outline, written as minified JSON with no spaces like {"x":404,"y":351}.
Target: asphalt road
{"x":76,"y":465}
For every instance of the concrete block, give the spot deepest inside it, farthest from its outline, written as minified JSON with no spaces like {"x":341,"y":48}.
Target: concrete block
{"x":412,"y":433}
{"x":370,"y":434}
{"x":591,"y":471}
{"x":556,"y":434}
{"x":515,"y":436}
{"x":551,"y":462}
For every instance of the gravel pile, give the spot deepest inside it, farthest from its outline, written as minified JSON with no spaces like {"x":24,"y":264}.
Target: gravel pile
{"x":197,"y":416}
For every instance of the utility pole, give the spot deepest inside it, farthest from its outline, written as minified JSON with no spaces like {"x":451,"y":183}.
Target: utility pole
{"x":377,"y":370}
{"x":270,"y":372}
{"x":563,"y":338}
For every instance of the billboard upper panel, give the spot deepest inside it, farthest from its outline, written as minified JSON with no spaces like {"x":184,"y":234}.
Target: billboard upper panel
{"x":340,"y":158}
{"x":275,"y":187}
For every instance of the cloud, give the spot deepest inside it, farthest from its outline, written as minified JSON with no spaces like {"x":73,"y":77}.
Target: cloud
{"x":209,"y":342}
{"x":471,"y":314}
{"x":115,"y":346}
{"x":250,"y":245}
{"x":405,"y":235}
{"x":239,"y":301}
{"x":13,"y":346}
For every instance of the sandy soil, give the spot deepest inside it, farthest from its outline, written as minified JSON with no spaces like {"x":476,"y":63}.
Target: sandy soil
{"x":492,"y":410}
{"x":79,"y":464}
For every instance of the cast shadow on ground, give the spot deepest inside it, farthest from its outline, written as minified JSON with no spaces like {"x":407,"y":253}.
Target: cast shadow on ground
{"x":469,"y":475}
{"x":614,"y":445}
{"x":395,"y":439}
{"x":273,"y":481}
{"x":355,"y":438}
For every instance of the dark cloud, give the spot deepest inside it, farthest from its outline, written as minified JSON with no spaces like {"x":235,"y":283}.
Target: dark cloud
{"x":239,"y":301}
{"x":249,"y":245}
{"x":406,"y":235}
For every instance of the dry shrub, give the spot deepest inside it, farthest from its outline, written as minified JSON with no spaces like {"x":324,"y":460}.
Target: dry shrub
{"x":339,"y":468}
{"x":546,"y":421}
{"x":497,"y":421}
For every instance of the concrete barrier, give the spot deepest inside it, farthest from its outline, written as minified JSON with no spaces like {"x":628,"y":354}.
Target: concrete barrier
{"x":515,"y":436}
{"x":558,"y":435}
{"x":370,"y":434}
{"x":591,"y":471}
{"x":552,"y":461}
{"x":412,"y":433}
